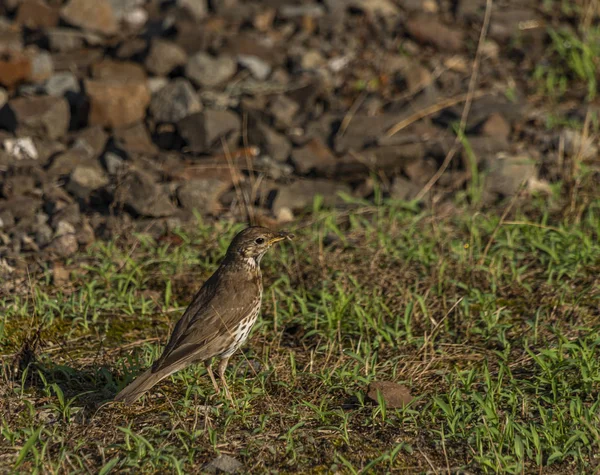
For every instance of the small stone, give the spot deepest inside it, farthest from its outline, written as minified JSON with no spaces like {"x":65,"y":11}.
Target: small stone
{"x":403,"y":189}
{"x":22,"y":148}
{"x":65,"y":245}
{"x":36,"y":14}
{"x":14,"y":69}
{"x":507,"y":174}
{"x":125,"y":71}
{"x":62,"y":83}
{"x":394,"y":395}
{"x":65,"y":39}
{"x":60,"y":275}
{"x":135,"y":139}
{"x":496,"y":126}
{"x":42,"y":67}
{"x":43,"y":235}
{"x":203,"y":130}
{"x":258,"y":68}
{"x":143,"y":196}
{"x":113,"y":163}
{"x":284,"y":111}
{"x":85,"y":179}
{"x":164,"y":56}
{"x":41,"y":115}
{"x":207,"y":71}
{"x":427,"y":29}
{"x":272,"y":168}
{"x":312,"y":59}
{"x":175,"y":101}
{"x":198,"y":9}
{"x":301,"y":194}
{"x":202,"y":194}
{"x":315,"y":156}
{"x":116,"y":104}
{"x":94,"y":15}
{"x":276,"y":145}
{"x":91,"y":141}
{"x":284,"y":215}
{"x":223,"y":464}
{"x":64,"y":163}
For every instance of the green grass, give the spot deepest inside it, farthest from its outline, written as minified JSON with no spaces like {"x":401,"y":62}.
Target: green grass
{"x":493,"y":326}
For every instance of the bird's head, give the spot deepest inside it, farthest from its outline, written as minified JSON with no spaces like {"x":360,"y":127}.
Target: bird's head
{"x":254,"y":242}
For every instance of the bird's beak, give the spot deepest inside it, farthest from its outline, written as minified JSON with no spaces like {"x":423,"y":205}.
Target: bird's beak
{"x":280,"y":237}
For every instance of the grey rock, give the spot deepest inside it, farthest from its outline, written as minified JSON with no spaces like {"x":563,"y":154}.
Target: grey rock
{"x":90,"y":142}
{"x":42,"y":116}
{"x":15,"y":185}
{"x":306,"y":10}
{"x":259,"y":68}
{"x":507,"y":174}
{"x":197,"y":8}
{"x":301,"y":194}
{"x":135,"y":139}
{"x":269,"y":141}
{"x":64,"y":163}
{"x":164,"y":56}
{"x":143,"y":196}
{"x":272,"y":168}
{"x":65,"y":245}
{"x":65,"y":39}
{"x":223,"y":464}
{"x":22,"y":208}
{"x":284,"y":110}
{"x":403,"y":189}
{"x":203,"y":130}
{"x":42,"y":67}
{"x":202,"y":194}
{"x":43,"y":234}
{"x":175,"y":101}
{"x":207,"y":71}
{"x":85,"y":179}
{"x":61,"y":83}
{"x":315,"y":156}
{"x":113,"y":163}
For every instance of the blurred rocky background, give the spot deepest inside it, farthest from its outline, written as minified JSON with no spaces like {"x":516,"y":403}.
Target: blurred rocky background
{"x":121,"y":115}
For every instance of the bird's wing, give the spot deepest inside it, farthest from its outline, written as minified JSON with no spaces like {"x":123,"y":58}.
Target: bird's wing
{"x":204,"y":329}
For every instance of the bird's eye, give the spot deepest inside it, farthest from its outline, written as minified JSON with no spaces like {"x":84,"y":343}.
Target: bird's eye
{"x":259,"y":240}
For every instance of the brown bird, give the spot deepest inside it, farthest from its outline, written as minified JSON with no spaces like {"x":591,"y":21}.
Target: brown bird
{"x":220,"y":317}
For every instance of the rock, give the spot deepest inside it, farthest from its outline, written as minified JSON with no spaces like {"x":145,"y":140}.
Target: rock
{"x":203,"y":130}
{"x":507,"y":174}
{"x":315,"y":156}
{"x":207,"y":71}
{"x":17,"y":185}
{"x":143,"y":196}
{"x":576,"y":144}
{"x":64,"y":163}
{"x":387,"y":9}
{"x":43,"y":235}
{"x":135,"y":139}
{"x":259,"y":68}
{"x":164,"y":56}
{"x":118,"y":71}
{"x":301,"y":194}
{"x":37,"y":14}
{"x":284,"y":111}
{"x":202,"y":194}
{"x":65,"y":245}
{"x":22,"y":148}
{"x":91,"y":141}
{"x":41,"y":115}
{"x":116,"y":104}
{"x":65,"y":218}
{"x":223,"y":464}
{"x":394,"y":395}
{"x":311,"y":60}
{"x":496,"y":126}
{"x":297,"y":11}
{"x":62,"y":83}
{"x":198,"y":9}
{"x":484,"y":149}
{"x":113,"y":163}
{"x":42,"y":67}
{"x":3,"y":97}
{"x":65,"y":39}
{"x":14,"y":69}
{"x":363,"y":130}
{"x":403,"y":189}
{"x":274,"y":144}
{"x":427,"y":29}
{"x":85,"y":179}
{"x":94,"y":15}
{"x":272,"y":168}
{"x":421,"y":171}
{"x":175,"y":101}
{"x":22,"y":208}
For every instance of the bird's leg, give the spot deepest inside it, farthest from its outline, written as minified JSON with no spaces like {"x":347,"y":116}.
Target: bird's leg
{"x":221,"y":370}
{"x":209,"y":370}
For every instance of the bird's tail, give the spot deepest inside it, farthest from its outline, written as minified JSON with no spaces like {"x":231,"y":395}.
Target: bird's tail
{"x":139,"y":386}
